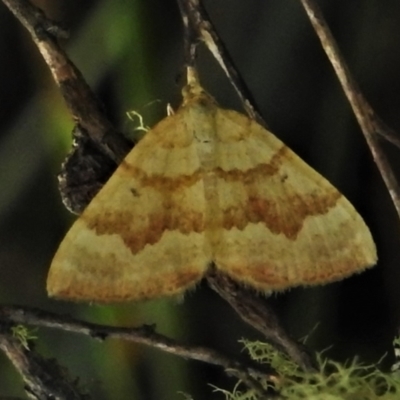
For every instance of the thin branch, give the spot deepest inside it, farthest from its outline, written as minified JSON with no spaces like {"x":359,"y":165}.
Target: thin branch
{"x":82,"y":103}
{"x":97,"y":146}
{"x":370,"y":123}
{"x":43,"y":379}
{"x":258,"y":314}
{"x":190,"y":36}
{"x":145,"y":334}
{"x":194,"y":13}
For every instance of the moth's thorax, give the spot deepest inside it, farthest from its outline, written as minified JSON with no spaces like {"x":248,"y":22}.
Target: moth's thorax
{"x":201,"y":121}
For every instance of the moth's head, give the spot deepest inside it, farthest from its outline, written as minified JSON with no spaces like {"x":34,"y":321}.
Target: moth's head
{"x":193,"y":93}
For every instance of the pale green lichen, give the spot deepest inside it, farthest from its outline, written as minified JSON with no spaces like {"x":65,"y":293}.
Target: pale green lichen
{"x":133,"y":115}
{"x":332,"y":381}
{"x":23,"y":334}
{"x":237,"y":394}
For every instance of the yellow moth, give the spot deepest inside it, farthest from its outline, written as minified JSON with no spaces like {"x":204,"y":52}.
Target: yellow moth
{"x":208,"y":186}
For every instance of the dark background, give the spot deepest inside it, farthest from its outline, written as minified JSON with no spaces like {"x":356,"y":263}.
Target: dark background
{"x":131,"y":54}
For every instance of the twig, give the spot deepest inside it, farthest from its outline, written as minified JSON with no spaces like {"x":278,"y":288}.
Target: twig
{"x":193,"y":13}
{"x":82,"y":103}
{"x":97,"y":147}
{"x":43,"y":379}
{"x":259,"y":315}
{"x":190,"y":35}
{"x":370,"y":123}
{"x":145,"y":334}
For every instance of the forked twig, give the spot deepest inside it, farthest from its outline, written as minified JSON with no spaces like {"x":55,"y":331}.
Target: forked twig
{"x":370,"y":124}
{"x":146,"y":334}
{"x":196,"y":19}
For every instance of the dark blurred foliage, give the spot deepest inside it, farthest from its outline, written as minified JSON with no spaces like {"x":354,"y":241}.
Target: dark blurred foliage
{"x":131,"y":54}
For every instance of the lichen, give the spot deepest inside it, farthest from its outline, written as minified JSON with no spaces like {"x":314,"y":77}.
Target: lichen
{"x":23,"y":334}
{"x":332,"y":380}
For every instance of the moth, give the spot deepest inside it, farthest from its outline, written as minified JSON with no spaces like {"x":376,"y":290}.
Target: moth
{"x":208,"y":186}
